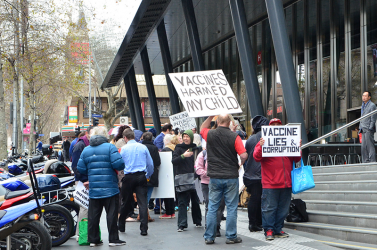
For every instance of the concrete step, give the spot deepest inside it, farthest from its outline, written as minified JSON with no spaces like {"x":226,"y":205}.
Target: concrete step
{"x":346,"y":176}
{"x":357,"y":234}
{"x":338,"y":195}
{"x":342,"y":206}
{"x":344,"y":219}
{"x":346,"y":185}
{"x":345,"y":168}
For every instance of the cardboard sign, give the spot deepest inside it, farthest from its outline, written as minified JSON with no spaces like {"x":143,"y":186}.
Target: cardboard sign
{"x":205,"y":93}
{"x":81,"y":195}
{"x":182,"y":121}
{"x":165,"y":187}
{"x":281,"y":141}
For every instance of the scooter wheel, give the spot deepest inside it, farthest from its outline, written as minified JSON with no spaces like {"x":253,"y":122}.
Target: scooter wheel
{"x":74,"y":208}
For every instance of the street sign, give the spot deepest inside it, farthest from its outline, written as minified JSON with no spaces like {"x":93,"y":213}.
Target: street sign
{"x":97,"y":116}
{"x":124,"y":120}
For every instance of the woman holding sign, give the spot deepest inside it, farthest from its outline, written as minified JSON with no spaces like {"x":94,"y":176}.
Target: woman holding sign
{"x":277,"y":188}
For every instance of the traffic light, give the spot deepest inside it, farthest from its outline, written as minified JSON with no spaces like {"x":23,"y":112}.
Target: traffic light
{"x":77,"y":130}
{"x":95,"y":122}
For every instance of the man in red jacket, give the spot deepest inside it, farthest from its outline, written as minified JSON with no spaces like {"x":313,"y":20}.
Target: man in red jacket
{"x":277,"y":189}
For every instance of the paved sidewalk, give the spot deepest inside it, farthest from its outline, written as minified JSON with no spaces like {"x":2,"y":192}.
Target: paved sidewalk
{"x":162,"y":234}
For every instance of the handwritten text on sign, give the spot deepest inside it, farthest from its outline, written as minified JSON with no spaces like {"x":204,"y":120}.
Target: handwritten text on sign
{"x":281,"y":141}
{"x":205,"y":93}
{"x":182,"y":121}
{"x":81,"y":195}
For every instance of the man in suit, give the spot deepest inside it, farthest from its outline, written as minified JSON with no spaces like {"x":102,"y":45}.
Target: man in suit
{"x":368,"y":128}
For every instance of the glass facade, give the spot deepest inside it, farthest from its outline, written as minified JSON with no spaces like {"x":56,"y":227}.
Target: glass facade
{"x":327,"y":45}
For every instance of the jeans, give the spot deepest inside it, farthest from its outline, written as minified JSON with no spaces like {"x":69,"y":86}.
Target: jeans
{"x":95,"y":210}
{"x":275,"y":208}
{"x":183,"y":201}
{"x":220,"y":211}
{"x":217,"y":189}
{"x":149,"y":193}
{"x":134,"y":183}
{"x":254,"y":206}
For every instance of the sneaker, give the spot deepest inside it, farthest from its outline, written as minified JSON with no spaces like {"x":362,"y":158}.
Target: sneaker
{"x":269,"y":235}
{"x":209,"y":241}
{"x":282,"y":234}
{"x":173,"y":216}
{"x":96,"y":244}
{"x":233,"y":241}
{"x":198,"y":225}
{"x":165,"y":216}
{"x":180,"y":229}
{"x":130,"y":219}
{"x":117,"y":243}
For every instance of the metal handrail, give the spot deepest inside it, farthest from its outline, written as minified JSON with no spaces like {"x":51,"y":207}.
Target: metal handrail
{"x":338,"y":129}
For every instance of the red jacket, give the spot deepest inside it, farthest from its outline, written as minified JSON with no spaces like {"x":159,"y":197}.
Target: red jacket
{"x":276,"y":171}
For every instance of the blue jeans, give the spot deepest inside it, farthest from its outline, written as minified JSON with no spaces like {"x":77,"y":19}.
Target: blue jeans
{"x":149,"y":193}
{"x":275,"y":208}
{"x":217,"y":189}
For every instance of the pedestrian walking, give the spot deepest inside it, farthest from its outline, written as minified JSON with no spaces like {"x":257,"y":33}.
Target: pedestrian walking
{"x":183,"y":163}
{"x":99,"y":162}
{"x":223,"y":145}
{"x":252,"y":177}
{"x":277,"y":188}
{"x":367,"y":129}
{"x":66,"y":145}
{"x":138,"y":168}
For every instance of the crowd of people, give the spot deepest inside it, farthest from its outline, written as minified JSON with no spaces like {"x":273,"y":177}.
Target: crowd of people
{"x":124,"y":171}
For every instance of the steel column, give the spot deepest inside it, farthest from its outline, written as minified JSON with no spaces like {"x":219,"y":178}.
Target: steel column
{"x":319,"y":68}
{"x":285,"y":63}
{"x":150,"y":89}
{"x":294,"y":37}
{"x":246,"y":57}
{"x":307,"y":63}
{"x":333,"y":61}
{"x":193,"y":35}
{"x":130,"y":101}
{"x":363,"y":46}
{"x":136,"y":99}
{"x":347,"y":54}
{"x":168,"y":66}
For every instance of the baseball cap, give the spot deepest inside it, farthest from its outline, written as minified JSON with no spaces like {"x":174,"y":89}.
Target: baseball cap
{"x":274,"y":121}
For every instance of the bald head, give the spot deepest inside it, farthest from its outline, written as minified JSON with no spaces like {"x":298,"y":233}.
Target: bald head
{"x":223,"y":120}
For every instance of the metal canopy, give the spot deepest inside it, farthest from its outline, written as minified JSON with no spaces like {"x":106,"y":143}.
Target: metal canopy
{"x":146,"y":18}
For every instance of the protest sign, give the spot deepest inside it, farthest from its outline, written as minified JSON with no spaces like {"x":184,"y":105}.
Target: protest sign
{"x":165,"y":187}
{"x":281,"y":141}
{"x":182,"y":121}
{"x":81,"y":195}
{"x":205,"y":93}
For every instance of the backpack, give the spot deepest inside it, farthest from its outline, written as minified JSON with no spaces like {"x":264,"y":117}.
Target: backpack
{"x":297,"y":211}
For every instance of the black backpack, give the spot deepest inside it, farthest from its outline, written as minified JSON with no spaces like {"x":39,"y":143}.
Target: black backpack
{"x":297,"y":211}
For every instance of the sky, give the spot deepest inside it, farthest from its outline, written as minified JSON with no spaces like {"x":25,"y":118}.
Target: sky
{"x":109,"y":17}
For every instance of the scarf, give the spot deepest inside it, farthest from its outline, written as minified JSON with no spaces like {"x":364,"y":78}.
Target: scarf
{"x":85,"y":140}
{"x":171,"y":146}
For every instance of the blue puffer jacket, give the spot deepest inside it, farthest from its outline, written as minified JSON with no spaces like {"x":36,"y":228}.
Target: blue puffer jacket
{"x":99,"y":161}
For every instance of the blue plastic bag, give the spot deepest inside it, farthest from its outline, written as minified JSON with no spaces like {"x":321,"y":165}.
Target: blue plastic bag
{"x":302,"y":178}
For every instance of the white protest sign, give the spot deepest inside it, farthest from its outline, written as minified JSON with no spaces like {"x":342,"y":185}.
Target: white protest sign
{"x":182,"y":121}
{"x":165,"y":187}
{"x":81,"y":195}
{"x":205,"y":93}
{"x":281,"y":141}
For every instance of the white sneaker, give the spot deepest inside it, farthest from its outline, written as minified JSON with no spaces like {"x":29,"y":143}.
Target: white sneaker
{"x":117,"y":243}
{"x":96,"y":244}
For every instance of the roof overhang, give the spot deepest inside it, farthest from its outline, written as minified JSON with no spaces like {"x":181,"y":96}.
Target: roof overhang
{"x":146,"y":18}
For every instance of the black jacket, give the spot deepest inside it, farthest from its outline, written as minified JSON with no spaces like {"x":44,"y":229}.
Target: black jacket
{"x":183,"y":165}
{"x":66,"y":145}
{"x":153,"y":150}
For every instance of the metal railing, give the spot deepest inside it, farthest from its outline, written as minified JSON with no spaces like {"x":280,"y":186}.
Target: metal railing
{"x":338,"y":129}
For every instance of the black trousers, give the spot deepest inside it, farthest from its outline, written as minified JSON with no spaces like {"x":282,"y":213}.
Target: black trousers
{"x":134,"y":183}
{"x":94,"y":215}
{"x":254,"y":209}
{"x":169,"y":206}
{"x":183,"y":201}
{"x":221,"y":209}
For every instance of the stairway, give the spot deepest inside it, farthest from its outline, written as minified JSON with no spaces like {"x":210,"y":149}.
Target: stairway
{"x":343,"y":204}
